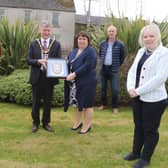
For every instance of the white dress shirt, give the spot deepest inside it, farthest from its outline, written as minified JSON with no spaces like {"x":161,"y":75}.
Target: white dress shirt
{"x":47,"y":41}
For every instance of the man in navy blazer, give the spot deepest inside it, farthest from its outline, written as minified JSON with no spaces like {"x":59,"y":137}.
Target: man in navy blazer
{"x":112,"y":53}
{"x":42,"y":86}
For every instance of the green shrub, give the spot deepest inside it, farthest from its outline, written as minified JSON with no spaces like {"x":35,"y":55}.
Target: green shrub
{"x":15,"y":39}
{"x":58,"y":95}
{"x":15,"y":88}
{"x":5,"y":68}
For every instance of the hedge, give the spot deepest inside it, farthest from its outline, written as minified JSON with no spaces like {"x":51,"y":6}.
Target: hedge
{"x":16,"y":89}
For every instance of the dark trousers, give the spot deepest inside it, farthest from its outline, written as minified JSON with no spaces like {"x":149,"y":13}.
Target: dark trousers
{"x":107,"y":75}
{"x":147,"y":117}
{"x":42,"y":90}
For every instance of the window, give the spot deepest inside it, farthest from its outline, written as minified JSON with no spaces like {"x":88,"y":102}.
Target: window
{"x":2,"y":13}
{"x":55,"y":19}
{"x":27,"y":16}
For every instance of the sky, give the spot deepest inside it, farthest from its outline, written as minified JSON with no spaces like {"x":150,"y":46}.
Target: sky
{"x":151,"y":9}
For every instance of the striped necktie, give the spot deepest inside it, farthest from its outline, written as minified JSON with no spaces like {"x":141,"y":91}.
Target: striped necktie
{"x":45,"y":44}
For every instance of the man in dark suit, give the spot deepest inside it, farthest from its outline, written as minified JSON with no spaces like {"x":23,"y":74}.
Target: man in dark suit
{"x":42,"y":86}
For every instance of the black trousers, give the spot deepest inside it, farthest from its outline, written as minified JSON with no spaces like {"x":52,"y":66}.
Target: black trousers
{"x":43,"y":90}
{"x":147,"y":117}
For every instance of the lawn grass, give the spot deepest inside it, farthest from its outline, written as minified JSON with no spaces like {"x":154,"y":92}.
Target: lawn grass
{"x":104,"y":147}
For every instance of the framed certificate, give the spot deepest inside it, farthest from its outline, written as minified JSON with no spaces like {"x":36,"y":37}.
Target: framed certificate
{"x":57,"y":68}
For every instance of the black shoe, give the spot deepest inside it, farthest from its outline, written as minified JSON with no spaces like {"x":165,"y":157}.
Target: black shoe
{"x":131,"y":156}
{"x":48,"y":128}
{"x":141,"y":163}
{"x":35,"y":128}
{"x":85,"y":131}
{"x":79,"y":126}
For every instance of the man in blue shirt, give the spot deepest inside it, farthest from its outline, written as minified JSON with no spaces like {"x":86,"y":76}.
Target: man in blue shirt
{"x":112,"y":53}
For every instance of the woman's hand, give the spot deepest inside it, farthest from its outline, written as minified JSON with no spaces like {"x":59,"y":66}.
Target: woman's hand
{"x":132,"y":93}
{"x":71,"y":76}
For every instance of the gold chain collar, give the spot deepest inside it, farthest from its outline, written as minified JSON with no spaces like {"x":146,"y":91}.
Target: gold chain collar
{"x":45,"y":51}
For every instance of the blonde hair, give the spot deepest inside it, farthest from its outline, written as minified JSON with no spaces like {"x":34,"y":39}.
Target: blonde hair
{"x":152,"y":28}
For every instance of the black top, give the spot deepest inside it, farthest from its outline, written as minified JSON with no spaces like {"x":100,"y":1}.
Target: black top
{"x":145,"y":56}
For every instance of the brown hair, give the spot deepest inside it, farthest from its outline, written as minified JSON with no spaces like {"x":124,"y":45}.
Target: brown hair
{"x":82,"y":34}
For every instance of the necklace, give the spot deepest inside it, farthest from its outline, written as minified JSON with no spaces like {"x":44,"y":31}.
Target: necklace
{"x":148,"y":52}
{"x":79,"y":52}
{"x":43,"y":50}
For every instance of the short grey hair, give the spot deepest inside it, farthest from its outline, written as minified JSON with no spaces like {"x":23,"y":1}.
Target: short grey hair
{"x":152,"y":28}
{"x":45,"y":23}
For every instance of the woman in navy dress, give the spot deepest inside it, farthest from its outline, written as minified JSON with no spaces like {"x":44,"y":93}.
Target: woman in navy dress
{"x":80,"y":84}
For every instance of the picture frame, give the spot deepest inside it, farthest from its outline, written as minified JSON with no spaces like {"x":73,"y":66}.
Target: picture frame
{"x":57,"y":68}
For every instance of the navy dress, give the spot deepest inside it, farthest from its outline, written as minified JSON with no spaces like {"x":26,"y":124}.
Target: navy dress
{"x":85,"y":68}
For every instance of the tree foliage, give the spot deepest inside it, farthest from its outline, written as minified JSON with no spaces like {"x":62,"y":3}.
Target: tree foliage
{"x":127,"y":31}
{"x":15,"y":39}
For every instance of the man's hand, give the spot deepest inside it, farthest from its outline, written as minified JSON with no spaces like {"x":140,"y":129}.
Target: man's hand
{"x":42,"y":62}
